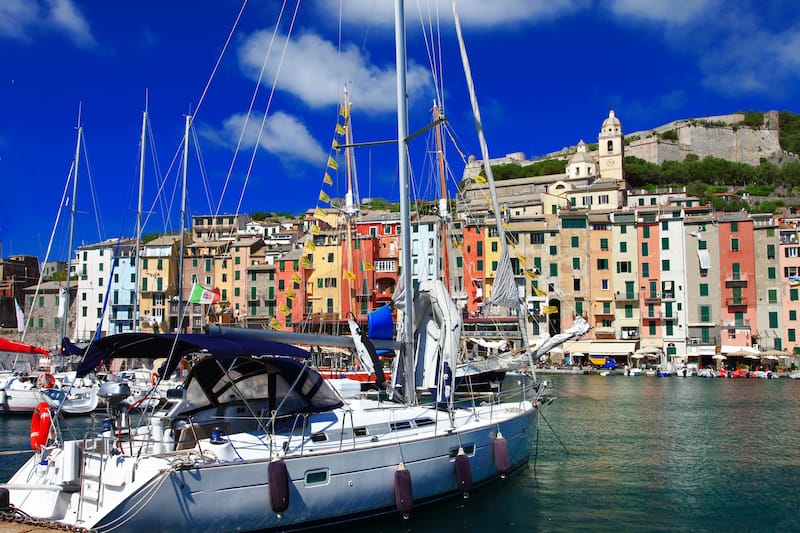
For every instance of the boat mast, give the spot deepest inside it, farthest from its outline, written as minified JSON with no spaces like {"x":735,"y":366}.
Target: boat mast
{"x":73,"y":212}
{"x":137,"y":291}
{"x":444,"y":212}
{"x":521,"y":314}
{"x":351,"y":205}
{"x":183,"y":223}
{"x":405,"y":196}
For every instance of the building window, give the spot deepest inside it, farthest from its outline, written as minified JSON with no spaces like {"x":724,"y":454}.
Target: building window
{"x":576,"y":284}
{"x":602,"y":264}
{"x":771,"y":273}
{"x":646,"y":232}
{"x":772,"y":296}
{"x":704,"y":289}
{"x":770,"y":251}
{"x":645,"y":250}
{"x":575,"y":242}
{"x":705,"y":313}
{"x":623,"y":247}
{"x":665,"y":265}
{"x":628,"y":311}
{"x":604,"y":284}
{"x":665,"y":243}
{"x":604,"y":244}
{"x":553,"y":269}
{"x":773,"y":319}
{"x":646,"y":270}
{"x":734,"y":245}
{"x":554,"y":250}
{"x":576,"y":263}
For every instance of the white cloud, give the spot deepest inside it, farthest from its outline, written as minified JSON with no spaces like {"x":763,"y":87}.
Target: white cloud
{"x":16,"y":17}
{"x":475,"y":13}
{"x":64,"y":16}
{"x":284,"y":136}
{"x":754,"y":62}
{"x":660,"y":11}
{"x":24,"y":20}
{"x":315,"y":71}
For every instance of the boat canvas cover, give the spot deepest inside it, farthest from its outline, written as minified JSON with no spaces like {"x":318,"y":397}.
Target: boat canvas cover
{"x":151,"y":346}
{"x":289,"y":385}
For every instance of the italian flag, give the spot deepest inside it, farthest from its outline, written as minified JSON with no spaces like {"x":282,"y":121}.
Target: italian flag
{"x":201,"y":295}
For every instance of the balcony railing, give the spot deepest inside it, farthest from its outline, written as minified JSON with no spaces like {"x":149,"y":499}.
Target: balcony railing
{"x":736,"y":278}
{"x":623,"y":296}
{"x":736,"y":324}
{"x":736,"y":301}
{"x":652,"y":297}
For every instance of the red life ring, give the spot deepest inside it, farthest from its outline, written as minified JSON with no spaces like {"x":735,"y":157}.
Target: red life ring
{"x":153,"y":378}
{"x":45,"y":381}
{"x":40,"y":426}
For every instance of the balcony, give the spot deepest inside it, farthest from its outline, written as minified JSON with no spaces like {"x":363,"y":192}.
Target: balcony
{"x":737,"y":302}
{"x":629,"y":334}
{"x":624,"y":296}
{"x":736,"y":279}
{"x":736,"y":324}
{"x":652,"y":297}
{"x":604,"y":312}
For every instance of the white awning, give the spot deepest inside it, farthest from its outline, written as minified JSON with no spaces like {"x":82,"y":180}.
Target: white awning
{"x":705,"y":259}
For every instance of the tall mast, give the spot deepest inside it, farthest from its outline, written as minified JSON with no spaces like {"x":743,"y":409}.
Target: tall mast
{"x":183,"y":222}
{"x":405,"y":196}
{"x":504,"y":254}
{"x":444,"y":212}
{"x":351,"y":207}
{"x":73,"y":212}
{"x":138,"y":275}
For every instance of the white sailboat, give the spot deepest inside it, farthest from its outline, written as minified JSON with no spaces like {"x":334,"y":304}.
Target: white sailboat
{"x":258,"y":440}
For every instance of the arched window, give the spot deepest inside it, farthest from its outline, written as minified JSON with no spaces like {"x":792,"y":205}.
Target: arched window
{"x":610,"y":146}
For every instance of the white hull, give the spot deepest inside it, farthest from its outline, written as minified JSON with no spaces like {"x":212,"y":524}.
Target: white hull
{"x":223,"y":487}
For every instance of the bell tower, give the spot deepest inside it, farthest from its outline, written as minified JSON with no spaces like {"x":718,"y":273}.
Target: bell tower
{"x":611,"y":148}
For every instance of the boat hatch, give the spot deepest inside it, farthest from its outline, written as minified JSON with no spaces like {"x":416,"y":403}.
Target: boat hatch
{"x":405,"y":424}
{"x":425,"y":421}
{"x":319,"y":437}
{"x":469,"y":449}
{"x":360,"y":432}
{"x":317,"y":477}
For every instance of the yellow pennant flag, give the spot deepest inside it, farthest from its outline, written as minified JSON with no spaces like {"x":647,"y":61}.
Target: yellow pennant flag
{"x":549,"y":309}
{"x":284,"y":309}
{"x":315,"y":230}
{"x":332,"y":163}
{"x":296,"y":278}
{"x":323,"y":197}
{"x":340,"y":129}
{"x":305,"y":262}
{"x":539,"y":292}
{"x":310,"y":245}
{"x":480,"y":180}
{"x":367,"y":266}
{"x":530,"y":274}
{"x":522,"y":261}
{"x":327,"y":180}
{"x":319,"y":212}
{"x":335,"y":145}
{"x":343,"y":110}
{"x":290,"y":294}
{"x":349,"y":275}
{"x":275,"y":324}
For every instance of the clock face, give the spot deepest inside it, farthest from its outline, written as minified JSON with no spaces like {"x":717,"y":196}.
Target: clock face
{"x":610,"y":162}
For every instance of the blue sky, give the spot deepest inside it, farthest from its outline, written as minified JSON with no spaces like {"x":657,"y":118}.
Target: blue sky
{"x":546,"y":71}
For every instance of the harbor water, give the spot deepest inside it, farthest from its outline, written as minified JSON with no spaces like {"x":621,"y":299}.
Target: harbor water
{"x":629,"y":453}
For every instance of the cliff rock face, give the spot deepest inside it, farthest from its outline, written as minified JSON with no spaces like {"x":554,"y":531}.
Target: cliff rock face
{"x":713,"y":136}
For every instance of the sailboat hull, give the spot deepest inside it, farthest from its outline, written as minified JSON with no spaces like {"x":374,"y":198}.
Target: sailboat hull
{"x":342,"y":480}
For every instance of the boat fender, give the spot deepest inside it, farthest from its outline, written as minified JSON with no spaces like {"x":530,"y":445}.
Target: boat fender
{"x":500,"y":449}
{"x":40,"y":426}
{"x":463,"y":473}
{"x":278,"y":478}
{"x":402,"y":490}
{"x":45,"y":381}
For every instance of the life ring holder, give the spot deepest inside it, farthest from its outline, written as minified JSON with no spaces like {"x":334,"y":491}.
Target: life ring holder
{"x":46,"y":381}
{"x":40,"y":426}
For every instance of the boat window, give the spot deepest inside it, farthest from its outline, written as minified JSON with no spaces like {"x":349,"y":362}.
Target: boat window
{"x":319,"y":437}
{"x":405,"y":424}
{"x":424,"y":422}
{"x":317,"y":477}
{"x":360,"y":432}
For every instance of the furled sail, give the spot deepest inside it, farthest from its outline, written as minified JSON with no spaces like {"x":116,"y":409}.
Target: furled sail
{"x":504,"y":288}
